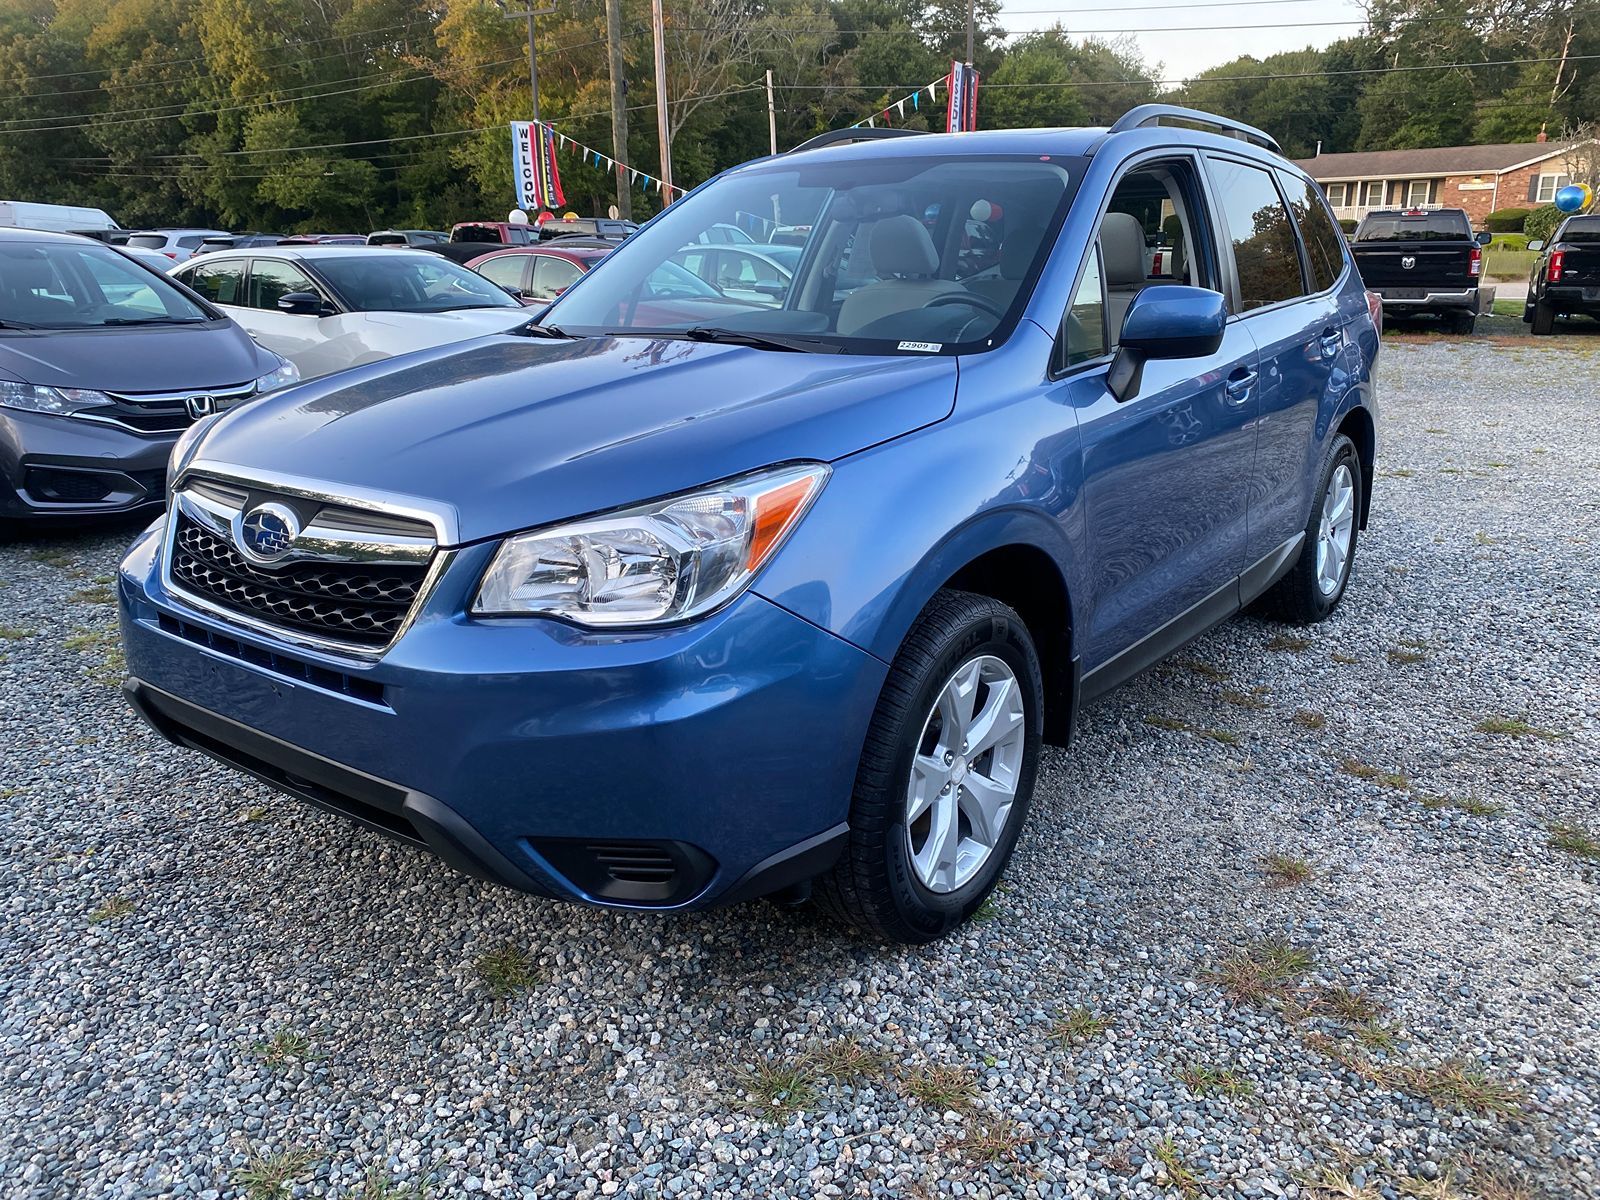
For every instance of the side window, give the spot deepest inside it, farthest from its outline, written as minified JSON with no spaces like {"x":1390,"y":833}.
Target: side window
{"x":552,"y":276}
{"x":1083,"y":330}
{"x":218,"y":282}
{"x":1323,"y":242}
{"x":1264,"y":252}
{"x":271,"y":281}
{"x":509,"y":271}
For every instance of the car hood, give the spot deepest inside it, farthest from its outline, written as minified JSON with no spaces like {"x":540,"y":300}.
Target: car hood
{"x":453,"y":325}
{"x":135,"y":358}
{"x":509,"y":432}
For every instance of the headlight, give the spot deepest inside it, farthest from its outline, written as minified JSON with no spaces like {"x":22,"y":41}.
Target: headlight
{"x":183,"y":450}
{"x":282,"y":375}
{"x":664,"y":561}
{"x":56,"y":401}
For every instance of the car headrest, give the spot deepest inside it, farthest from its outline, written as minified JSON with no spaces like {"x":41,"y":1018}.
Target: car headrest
{"x":1122,"y":248}
{"x":1017,"y":251}
{"x":899,"y":245}
{"x":28,"y":274}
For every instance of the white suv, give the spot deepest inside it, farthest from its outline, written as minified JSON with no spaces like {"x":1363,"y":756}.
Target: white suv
{"x":179,"y":245}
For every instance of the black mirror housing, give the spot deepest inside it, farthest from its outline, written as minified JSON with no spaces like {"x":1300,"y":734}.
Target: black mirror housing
{"x":301,"y":304}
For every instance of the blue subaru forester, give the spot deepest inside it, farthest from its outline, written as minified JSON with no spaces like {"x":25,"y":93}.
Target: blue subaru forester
{"x":701,"y":588}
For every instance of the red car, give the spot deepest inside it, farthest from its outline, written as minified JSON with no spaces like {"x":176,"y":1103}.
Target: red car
{"x":537,"y":274}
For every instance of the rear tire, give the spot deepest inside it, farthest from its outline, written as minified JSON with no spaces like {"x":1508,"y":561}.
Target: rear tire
{"x":1312,"y":589}
{"x":1462,"y":323}
{"x":1544,"y":318}
{"x":892,"y":881}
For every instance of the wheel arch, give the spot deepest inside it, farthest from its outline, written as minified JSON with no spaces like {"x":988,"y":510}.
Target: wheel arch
{"x":1358,"y":426}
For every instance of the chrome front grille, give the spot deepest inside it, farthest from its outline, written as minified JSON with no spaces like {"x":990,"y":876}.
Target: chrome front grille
{"x":350,"y":580}
{"x":164,"y":412}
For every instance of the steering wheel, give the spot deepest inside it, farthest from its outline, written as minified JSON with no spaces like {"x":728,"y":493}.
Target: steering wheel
{"x":978,"y":302}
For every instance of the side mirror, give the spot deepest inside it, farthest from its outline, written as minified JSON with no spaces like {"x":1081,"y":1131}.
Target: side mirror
{"x":1536,"y":244}
{"x":1165,"y":321}
{"x":301,"y":304}
{"x":1484,"y":238}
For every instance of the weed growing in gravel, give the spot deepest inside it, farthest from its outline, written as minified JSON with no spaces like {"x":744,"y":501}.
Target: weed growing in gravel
{"x":1203,"y":1080}
{"x":1307,"y":719}
{"x":507,"y":970}
{"x":251,"y":815}
{"x":987,"y":911}
{"x":1179,"y":1174}
{"x":990,"y":1143}
{"x":1079,"y":1025}
{"x":1400,"y":473}
{"x":51,"y":556}
{"x":777,"y":1088}
{"x":1515,"y":727}
{"x":13,"y":633}
{"x":1329,"y":1184}
{"x":1455,"y":1085}
{"x":1349,"y":1005}
{"x":1288,"y":641}
{"x":1404,"y":656}
{"x":1202,"y":668}
{"x":1175,"y":724}
{"x":378,"y":1184}
{"x":1472,"y":805}
{"x":1376,"y":1035}
{"x":1283,"y":870}
{"x":943,"y":1088}
{"x":1388,"y":779}
{"x":1262,"y":972}
{"x":99,"y":594}
{"x":267,"y":1176}
{"x":1339,"y":656}
{"x":285,"y":1047}
{"x":1574,"y":839}
{"x":1254,"y":699}
{"x":113,"y":667}
{"x":847,"y":1059}
{"x":1226,"y":736}
{"x":117,"y":906}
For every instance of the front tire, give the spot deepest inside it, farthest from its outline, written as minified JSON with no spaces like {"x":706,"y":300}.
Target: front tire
{"x":1316,"y":583}
{"x":946,"y":774}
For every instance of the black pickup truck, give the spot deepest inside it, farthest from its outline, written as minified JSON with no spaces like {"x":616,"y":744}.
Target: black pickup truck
{"x":1423,"y":262}
{"x":1566,"y":275}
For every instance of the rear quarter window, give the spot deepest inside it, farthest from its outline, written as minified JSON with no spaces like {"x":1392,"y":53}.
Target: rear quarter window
{"x":1323,"y":243}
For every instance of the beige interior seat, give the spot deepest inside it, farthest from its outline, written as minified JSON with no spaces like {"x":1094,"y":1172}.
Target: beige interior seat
{"x":1016,"y":256}
{"x":1122,"y":251}
{"x":906,"y":263}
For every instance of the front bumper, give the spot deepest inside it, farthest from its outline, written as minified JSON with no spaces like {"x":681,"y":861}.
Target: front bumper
{"x":57,"y":466}
{"x":703,"y":764}
{"x":1476,"y":300}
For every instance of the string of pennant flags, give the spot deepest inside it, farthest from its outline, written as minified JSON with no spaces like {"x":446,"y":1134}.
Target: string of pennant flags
{"x":899,"y":106}
{"x":961,"y":101}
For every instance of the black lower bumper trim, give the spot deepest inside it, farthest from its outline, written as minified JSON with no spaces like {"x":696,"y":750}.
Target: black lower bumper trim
{"x":796,"y":865}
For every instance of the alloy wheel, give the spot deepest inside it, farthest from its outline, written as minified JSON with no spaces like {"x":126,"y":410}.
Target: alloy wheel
{"x":1336,"y":529}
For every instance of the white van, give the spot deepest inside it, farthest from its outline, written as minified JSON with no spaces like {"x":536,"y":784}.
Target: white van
{"x":58,"y":218}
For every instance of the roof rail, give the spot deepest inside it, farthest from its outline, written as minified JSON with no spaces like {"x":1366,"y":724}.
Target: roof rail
{"x":1153,"y":114}
{"x":853,"y":134}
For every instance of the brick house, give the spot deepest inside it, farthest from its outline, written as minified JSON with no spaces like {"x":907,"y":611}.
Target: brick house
{"x":1479,"y":179}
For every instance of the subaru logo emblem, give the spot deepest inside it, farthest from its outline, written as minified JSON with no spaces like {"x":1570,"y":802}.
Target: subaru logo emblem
{"x":200,"y":406}
{"x":266,"y":533}
{"x":1408,"y":262}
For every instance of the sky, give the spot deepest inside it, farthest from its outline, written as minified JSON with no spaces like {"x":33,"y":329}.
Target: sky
{"x":1299,"y":23}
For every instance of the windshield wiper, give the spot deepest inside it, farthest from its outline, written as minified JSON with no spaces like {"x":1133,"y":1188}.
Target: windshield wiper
{"x":536,"y":330}
{"x":760,"y":341}
{"x":155,"y":320}
{"x":16,"y":325}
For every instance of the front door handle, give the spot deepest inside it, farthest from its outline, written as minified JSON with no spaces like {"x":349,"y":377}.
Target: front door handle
{"x":1239,"y":385}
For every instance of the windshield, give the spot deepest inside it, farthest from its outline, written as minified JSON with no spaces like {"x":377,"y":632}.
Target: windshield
{"x":1432,"y":227}
{"x":899,"y":255}
{"x":85,"y":287}
{"x":392,"y":283}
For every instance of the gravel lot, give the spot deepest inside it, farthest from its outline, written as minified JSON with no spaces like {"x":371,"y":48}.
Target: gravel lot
{"x":209,"y":990}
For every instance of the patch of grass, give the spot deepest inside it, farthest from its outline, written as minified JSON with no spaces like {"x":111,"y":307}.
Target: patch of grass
{"x":378,"y":1184}
{"x":1339,"y":656}
{"x":1179,"y":1174}
{"x":1515,"y":727}
{"x":1163,"y":722}
{"x":1472,"y":805}
{"x":506,"y":970}
{"x":778,"y":1087}
{"x":1307,"y":719}
{"x":1288,"y":641}
{"x":111,"y":910}
{"x":1226,"y":736}
{"x":943,"y":1088}
{"x":1376,"y":1035}
{"x":284,"y":1048}
{"x":1204,"y":669}
{"x":989,"y":910}
{"x":251,"y":815}
{"x":1263,"y":971}
{"x":1400,"y":473}
{"x":1284,"y":870}
{"x":1499,"y":1185}
{"x":14,"y":633}
{"x":1455,"y":1085}
{"x":1079,"y":1025}
{"x":1403,"y":656}
{"x":1204,"y":1080}
{"x":99,"y":594}
{"x":1254,"y":699}
{"x":52,"y":556}
{"x":846,"y":1059}
{"x":1388,"y":779}
{"x":1574,"y":839}
{"x":267,"y":1176}
{"x":1349,"y":1005}
{"x":113,"y":667}
{"x":1329,"y":1184}
{"x":990,"y":1143}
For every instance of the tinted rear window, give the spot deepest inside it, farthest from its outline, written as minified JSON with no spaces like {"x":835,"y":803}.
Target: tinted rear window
{"x":148,"y":241}
{"x":1429,"y":227}
{"x":1585,"y":229}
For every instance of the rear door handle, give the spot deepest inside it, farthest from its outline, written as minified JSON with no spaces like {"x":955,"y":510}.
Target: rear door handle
{"x":1239,"y":385}
{"x":1330,"y":341}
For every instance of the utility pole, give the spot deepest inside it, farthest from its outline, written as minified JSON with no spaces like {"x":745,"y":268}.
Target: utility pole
{"x":772,"y":118}
{"x":971,"y":18}
{"x":527,"y":14}
{"x":619,"y":107}
{"x":656,"y":23}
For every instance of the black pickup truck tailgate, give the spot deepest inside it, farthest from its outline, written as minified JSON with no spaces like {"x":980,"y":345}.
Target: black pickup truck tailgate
{"x":1580,"y":265}
{"x":1431,"y":265}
